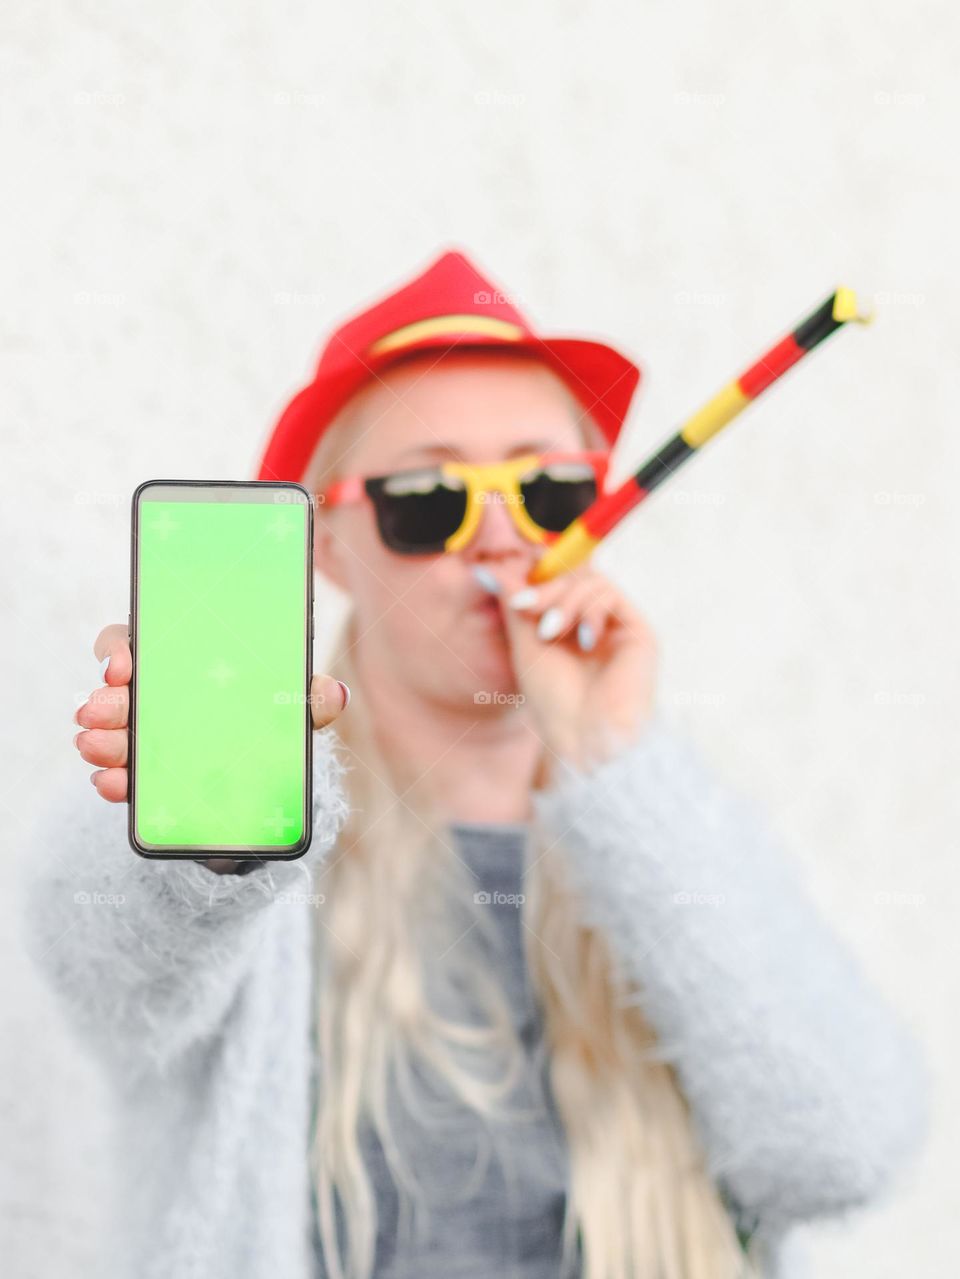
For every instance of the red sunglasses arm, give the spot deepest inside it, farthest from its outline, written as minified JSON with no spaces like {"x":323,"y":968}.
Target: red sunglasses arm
{"x":341,"y":492}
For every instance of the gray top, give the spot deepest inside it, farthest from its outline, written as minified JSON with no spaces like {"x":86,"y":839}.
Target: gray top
{"x":194,"y":991}
{"x":496,"y":1193}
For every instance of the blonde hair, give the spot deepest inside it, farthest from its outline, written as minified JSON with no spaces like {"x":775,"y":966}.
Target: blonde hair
{"x":640,"y":1200}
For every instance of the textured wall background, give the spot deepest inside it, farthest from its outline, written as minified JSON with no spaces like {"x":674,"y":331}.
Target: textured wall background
{"x":192,"y":196}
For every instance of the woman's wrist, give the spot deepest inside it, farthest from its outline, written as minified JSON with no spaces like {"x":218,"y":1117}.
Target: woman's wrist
{"x":589,"y":749}
{"x":227,"y":865}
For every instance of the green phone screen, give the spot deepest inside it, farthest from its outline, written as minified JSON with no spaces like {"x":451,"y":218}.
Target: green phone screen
{"x":221,"y":628}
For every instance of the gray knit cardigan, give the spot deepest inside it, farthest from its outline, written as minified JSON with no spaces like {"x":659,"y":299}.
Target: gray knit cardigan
{"x":193,"y":991}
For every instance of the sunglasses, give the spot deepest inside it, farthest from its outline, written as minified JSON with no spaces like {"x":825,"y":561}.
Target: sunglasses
{"x":438,"y":508}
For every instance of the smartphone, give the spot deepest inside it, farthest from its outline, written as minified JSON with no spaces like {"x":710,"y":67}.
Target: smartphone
{"x":221,"y":633}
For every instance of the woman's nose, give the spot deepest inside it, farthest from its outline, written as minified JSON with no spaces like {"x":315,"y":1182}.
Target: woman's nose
{"x":497,"y":530}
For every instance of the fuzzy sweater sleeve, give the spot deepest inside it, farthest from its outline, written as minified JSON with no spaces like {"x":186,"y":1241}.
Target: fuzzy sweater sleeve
{"x":147,"y":956}
{"x":804,"y":1086}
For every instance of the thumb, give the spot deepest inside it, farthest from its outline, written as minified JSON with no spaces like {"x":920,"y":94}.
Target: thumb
{"x":328,"y":698}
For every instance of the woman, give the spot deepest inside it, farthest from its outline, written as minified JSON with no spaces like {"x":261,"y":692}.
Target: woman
{"x":544,"y":998}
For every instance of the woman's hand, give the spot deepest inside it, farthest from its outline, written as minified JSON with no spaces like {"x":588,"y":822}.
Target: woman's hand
{"x":584,"y":658}
{"x":102,"y":739}
{"x":103,"y":717}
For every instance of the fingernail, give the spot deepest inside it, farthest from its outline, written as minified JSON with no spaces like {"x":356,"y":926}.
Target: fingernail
{"x":93,"y":778}
{"x":346,"y":693}
{"x":76,"y":737}
{"x":550,"y":624}
{"x":524,"y":598}
{"x":104,"y":663}
{"x":585,"y":636}
{"x":486,"y":579}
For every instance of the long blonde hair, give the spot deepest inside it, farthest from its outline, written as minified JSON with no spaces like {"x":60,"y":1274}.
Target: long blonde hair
{"x":396,"y":897}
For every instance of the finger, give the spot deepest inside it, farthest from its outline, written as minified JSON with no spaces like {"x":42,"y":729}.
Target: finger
{"x":562,"y":617}
{"x":113,"y":643}
{"x":568,"y":587}
{"x":516,"y":596}
{"x":329,"y":697}
{"x":506,"y":580}
{"x":501,"y":581}
{"x":594,"y":600}
{"x":535,"y":599}
{"x":111,"y":784}
{"x":105,"y":708}
{"x":592,"y":627}
{"x":611,"y":618}
{"x":102,"y":746}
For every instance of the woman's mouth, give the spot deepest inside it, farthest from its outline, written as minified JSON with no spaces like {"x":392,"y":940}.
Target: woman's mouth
{"x":486,"y":606}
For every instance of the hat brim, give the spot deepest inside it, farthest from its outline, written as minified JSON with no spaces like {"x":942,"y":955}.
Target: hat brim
{"x":602,"y":380}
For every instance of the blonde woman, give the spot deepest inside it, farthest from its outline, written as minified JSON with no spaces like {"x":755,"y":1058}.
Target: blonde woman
{"x":544,"y":998}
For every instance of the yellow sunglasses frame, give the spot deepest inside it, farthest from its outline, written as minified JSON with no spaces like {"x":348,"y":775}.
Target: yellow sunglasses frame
{"x":481,"y":478}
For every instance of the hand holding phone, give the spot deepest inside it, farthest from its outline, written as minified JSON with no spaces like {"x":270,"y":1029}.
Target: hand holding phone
{"x":103,"y":739}
{"x":193,"y":602}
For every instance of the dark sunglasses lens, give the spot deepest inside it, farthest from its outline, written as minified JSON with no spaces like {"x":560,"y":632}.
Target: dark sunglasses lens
{"x":555,"y":495}
{"x":418,"y":510}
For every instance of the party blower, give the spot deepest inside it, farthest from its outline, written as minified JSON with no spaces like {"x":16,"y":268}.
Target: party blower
{"x":579,"y":540}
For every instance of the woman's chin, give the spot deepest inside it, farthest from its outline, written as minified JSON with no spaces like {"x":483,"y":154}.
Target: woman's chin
{"x":483,"y":653}
{"x":497,"y":682}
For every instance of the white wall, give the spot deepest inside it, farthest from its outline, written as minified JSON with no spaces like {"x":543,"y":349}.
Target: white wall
{"x":192,"y":197}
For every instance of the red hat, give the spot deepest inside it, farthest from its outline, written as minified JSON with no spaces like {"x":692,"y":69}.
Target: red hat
{"x":447,"y":305}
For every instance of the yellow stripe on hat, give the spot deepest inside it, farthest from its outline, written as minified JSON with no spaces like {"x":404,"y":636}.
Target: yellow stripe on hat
{"x":447,"y":326}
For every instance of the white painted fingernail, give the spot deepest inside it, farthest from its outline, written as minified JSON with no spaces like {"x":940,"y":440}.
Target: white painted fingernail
{"x":585,"y":636}
{"x":486,"y":579}
{"x":346,"y":693}
{"x":550,"y":624}
{"x":104,"y":663}
{"x":525,"y":598}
